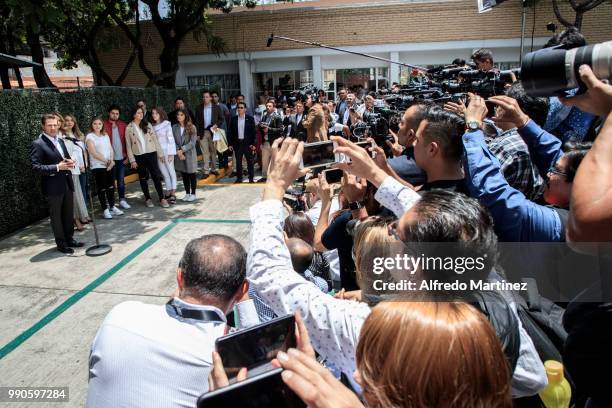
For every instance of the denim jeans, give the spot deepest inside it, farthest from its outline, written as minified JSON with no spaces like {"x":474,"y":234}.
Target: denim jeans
{"x":118,"y":176}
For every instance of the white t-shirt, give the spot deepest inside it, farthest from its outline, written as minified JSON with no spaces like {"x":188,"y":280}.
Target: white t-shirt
{"x":103,"y":148}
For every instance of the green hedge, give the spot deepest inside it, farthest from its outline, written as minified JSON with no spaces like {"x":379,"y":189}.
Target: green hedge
{"x":21,"y":199}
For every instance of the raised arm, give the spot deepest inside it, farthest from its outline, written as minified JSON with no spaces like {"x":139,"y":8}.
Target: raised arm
{"x":333,"y":324}
{"x":590,"y":218}
{"x":516,"y":218}
{"x":391,"y":194}
{"x":544,"y":148}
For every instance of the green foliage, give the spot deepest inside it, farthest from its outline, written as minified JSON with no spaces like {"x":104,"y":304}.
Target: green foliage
{"x":20,"y":112}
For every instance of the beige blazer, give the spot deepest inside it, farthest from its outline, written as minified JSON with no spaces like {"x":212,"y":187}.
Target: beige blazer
{"x":132,"y":144}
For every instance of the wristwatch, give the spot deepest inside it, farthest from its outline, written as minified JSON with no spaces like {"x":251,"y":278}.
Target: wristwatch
{"x":472,"y":125}
{"x":356,"y":205}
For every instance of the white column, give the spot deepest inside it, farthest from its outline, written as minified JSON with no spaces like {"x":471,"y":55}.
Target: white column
{"x":317,"y":73}
{"x":394,"y":69}
{"x":246,"y":82}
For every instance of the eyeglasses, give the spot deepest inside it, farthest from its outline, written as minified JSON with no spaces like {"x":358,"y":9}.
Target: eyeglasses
{"x":241,"y":107}
{"x":558,"y":172}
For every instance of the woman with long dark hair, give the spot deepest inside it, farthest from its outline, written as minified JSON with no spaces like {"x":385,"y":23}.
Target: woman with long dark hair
{"x":186,"y":138}
{"x":144,"y":151}
{"x":101,"y":162}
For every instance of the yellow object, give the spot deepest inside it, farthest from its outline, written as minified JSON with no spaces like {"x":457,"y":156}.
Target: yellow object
{"x":558,"y":392}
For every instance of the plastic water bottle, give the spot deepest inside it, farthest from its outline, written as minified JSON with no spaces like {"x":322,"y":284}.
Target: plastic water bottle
{"x":558,"y":392}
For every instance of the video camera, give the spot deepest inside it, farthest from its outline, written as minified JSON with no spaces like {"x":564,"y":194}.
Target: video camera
{"x":552,"y":71}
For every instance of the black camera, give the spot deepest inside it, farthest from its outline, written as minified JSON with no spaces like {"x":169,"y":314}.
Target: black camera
{"x":552,"y":71}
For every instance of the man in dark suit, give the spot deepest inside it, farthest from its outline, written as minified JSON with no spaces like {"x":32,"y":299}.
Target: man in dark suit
{"x":51,"y":160}
{"x":242,"y":140}
{"x":208,"y":118}
{"x":297,"y":130}
{"x":179,"y":103}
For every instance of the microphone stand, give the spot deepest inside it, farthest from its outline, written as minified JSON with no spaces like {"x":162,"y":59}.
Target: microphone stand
{"x":98,"y":249}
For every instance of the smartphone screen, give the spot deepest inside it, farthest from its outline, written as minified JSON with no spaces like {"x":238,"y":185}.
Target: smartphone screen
{"x":318,"y":154}
{"x":267,"y":390}
{"x":254,"y":348}
{"x":333,"y":176}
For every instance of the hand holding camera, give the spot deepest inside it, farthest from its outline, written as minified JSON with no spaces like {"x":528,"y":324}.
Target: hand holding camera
{"x":598,"y":97}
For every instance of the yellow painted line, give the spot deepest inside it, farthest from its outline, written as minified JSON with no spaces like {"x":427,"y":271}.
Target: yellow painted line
{"x":212,"y":178}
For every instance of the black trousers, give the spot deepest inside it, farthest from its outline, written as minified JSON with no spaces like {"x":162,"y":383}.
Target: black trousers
{"x":147,"y":164}
{"x":243,"y":150}
{"x":62,"y":217}
{"x":105,"y":187}
{"x":189,"y":181}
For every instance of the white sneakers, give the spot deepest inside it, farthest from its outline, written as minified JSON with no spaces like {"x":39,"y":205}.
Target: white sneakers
{"x":108,"y":213}
{"x":124,"y":204}
{"x":149,"y":203}
{"x":188,"y":197}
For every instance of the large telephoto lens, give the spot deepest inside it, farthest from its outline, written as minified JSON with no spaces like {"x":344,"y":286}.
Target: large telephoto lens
{"x":551,"y":71}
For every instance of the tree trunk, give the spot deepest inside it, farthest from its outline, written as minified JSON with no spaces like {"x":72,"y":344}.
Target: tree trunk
{"x":578,"y":20}
{"x":4,"y":77}
{"x":168,"y":62}
{"x":40,"y":74}
{"x":13,"y":52}
{"x":19,"y":78}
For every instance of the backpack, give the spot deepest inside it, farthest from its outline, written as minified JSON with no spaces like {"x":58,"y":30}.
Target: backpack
{"x":543,"y":321}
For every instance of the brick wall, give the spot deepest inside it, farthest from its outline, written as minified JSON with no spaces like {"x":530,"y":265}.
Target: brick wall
{"x":452,"y":20}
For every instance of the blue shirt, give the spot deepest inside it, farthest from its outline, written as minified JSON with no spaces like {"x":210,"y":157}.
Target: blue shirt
{"x":516,"y":218}
{"x":207,"y":115}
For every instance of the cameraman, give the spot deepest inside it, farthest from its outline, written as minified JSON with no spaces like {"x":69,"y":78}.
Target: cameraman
{"x":483,"y":58}
{"x":271,"y":127}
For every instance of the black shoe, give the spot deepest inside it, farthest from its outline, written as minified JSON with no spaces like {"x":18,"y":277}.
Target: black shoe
{"x":215,"y":172}
{"x":251,"y":181}
{"x":205,"y":176}
{"x":262,"y":180}
{"x":74,"y":244}
{"x":238,"y":181}
{"x":65,"y":250}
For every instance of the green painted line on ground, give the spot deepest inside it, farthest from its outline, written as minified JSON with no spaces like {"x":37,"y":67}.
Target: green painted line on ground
{"x":19,"y":340}
{"x":25,"y":335}
{"x":212,"y":220}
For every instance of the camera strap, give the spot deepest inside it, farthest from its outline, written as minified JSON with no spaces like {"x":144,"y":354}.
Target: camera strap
{"x":202,"y":315}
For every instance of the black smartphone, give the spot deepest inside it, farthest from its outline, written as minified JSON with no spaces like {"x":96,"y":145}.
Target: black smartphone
{"x":318,"y":154}
{"x":365,"y":144}
{"x":333,"y":175}
{"x":255,"y":347}
{"x":266,"y":390}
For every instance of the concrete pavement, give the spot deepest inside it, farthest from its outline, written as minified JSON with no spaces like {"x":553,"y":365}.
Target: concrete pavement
{"x":52,"y":304}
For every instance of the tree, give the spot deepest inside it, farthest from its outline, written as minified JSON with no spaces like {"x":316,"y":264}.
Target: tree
{"x":184,"y":17}
{"x":579,"y":7}
{"x":86,"y":32}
